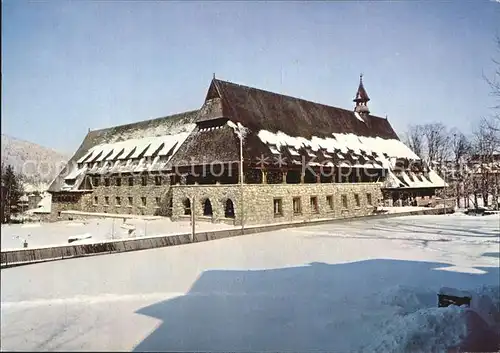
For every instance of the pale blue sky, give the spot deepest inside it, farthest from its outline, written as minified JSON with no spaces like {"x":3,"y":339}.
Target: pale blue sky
{"x":72,"y":65}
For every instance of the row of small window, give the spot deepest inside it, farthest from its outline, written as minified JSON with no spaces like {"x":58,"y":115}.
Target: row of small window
{"x":118,"y":201}
{"x":313,"y":202}
{"x":64,"y":198}
{"x":96,"y":181}
{"x":132,"y":161}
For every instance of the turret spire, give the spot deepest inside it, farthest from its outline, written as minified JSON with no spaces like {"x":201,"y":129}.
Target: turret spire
{"x":361,"y":95}
{"x":361,"y":99}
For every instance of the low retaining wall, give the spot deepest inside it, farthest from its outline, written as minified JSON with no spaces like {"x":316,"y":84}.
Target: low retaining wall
{"x":28,"y":256}
{"x":70,"y":215}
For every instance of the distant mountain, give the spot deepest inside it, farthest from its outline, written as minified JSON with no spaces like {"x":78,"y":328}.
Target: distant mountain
{"x":37,"y":164}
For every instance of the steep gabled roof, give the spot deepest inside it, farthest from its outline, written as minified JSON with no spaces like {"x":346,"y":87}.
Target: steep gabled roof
{"x":276,"y":123}
{"x":263,"y":110}
{"x":148,"y":128}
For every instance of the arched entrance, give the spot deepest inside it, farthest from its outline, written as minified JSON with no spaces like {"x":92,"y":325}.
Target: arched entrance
{"x":229,"y":209}
{"x":187,"y":206}
{"x":207,"y":208}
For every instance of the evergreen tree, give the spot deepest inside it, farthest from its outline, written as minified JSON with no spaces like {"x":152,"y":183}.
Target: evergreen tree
{"x":13,"y":192}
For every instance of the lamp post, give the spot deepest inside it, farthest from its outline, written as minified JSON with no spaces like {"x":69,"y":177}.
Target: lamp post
{"x":193,"y":220}
{"x":241,"y":132}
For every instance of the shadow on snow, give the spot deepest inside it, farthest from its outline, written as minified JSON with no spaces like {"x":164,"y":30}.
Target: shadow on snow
{"x":492,"y":254}
{"x":442,"y":229}
{"x":308,"y":308}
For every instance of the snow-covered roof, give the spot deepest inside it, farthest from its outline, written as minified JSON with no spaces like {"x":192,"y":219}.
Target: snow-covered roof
{"x":392,"y":181}
{"x":393,"y":148}
{"x":421,"y":181}
{"x":44,"y":206}
{"x":279,"y":123}
{"x":132,"y":155}
{"x":408,"y":179}
{"x":356,"y":114}
{"x":436,"y":179}
{"x":120,"y":142}
{"x":75,"y":173}
{"x":136,"y":148}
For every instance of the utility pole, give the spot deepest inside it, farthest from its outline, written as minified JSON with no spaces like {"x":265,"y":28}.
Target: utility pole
{"x":241,"y":180}
{"x":241,"y":135}
{"x":192,"y":220}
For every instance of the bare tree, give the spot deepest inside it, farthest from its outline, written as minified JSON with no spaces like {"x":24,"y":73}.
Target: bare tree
{"x":486,"y":145}
{"x":429,"y":141}
{"x":414,"y":139}
{"x":460,"y":150}
{"x":446,"y":151}
{"x":437,"y":143}
{"x":460,"y":146}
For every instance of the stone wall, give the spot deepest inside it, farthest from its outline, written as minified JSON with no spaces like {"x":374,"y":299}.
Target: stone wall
{"x":137,"y":191}
{"x":259,"y":205}
{"x":218,"y":195}
{"x":58,"y":206}
{"x":259,"y":201}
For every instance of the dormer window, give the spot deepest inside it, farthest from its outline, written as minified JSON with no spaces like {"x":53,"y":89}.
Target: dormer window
{"x":310,"y":153}
{"x":274,"y":149}
{"x":325,"y":154}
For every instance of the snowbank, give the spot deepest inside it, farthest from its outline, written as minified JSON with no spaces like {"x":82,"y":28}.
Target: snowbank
{"x":420,"y":326}
{"x":425,"y":330}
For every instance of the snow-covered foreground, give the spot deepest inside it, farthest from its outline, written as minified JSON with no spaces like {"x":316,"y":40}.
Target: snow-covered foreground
{"x":99,"y":229}
{"x":396,"y":209}
{"x":364,"y":286}
{"x":53,"y":234}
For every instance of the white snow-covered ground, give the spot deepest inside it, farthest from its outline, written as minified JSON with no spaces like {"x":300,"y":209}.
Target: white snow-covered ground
{"x":361,"y":286}
{"x":396,"y":209}
{"x":57,"y":233}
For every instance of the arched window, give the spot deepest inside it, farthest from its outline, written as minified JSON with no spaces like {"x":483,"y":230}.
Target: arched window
{"x":187,"y":206}
{"x":229,"y":209}
{"x":207,"y":208}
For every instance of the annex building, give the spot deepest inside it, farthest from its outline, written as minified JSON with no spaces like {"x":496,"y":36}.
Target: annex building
{"x":300,"y":160}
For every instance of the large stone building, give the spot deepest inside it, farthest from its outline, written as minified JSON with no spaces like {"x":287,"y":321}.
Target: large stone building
{"x":301,"y":160}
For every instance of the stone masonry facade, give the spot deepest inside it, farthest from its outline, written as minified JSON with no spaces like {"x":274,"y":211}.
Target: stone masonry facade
{"x":59,"y":204}
{"x":263,"y":203}
{"x":266,"y":203}
{"x":130,"y":197}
